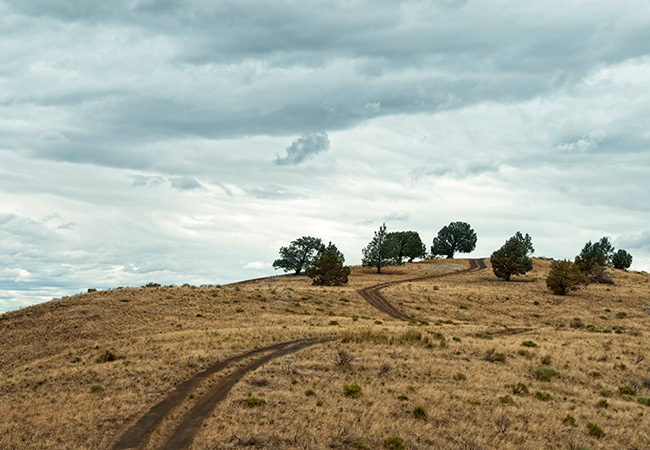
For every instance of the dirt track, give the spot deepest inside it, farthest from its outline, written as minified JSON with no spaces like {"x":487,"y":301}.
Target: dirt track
{"x":137,"y":436}
{"x":377,"y":300}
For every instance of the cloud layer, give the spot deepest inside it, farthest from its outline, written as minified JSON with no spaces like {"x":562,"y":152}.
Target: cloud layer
{"x":183,"y":141}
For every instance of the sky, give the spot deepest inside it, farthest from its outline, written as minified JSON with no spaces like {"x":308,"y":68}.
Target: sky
{"x":179,"y":141}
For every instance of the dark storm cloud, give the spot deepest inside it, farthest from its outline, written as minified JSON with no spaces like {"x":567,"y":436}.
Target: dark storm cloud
{"x":305,"y":147}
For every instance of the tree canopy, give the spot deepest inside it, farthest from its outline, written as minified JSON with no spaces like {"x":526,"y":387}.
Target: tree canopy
{"x":512,"y":258}
{"x":565,"y":276}
{"x":328,"y":269}
{"x":299,"y":254}
{"x":621,"y":260}
{"x":408,"y":245}
{"x":452,"y":238}
{"x":381,"y":251}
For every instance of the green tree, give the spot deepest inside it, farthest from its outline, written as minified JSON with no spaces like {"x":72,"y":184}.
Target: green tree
{"x":621,"y":260}
{"x":565,"y":276}
{"x":593,"y":259}
{"x":299,"y":254}
{"x":328,"y":269}
{"x":512,"y":258}
{"x":452,"y":238}
{"x":381,"y":251}
{"x":408,"y":244}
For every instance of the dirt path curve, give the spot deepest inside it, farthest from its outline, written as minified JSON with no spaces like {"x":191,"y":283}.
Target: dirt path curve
{"x":138,"y":435}
{"x":373,"y":295}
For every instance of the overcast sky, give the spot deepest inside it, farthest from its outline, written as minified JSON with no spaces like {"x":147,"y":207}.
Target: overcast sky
{"x":180,"y":141}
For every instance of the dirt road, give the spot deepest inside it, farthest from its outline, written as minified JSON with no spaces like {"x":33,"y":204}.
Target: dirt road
{"x":137,"y":436}
{"x":373,"y":295}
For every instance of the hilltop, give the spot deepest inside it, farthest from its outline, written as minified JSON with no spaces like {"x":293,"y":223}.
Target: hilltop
{"x":480,"y":363}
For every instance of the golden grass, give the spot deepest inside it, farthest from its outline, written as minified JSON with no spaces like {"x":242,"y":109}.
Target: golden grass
{"x":55,"y":394}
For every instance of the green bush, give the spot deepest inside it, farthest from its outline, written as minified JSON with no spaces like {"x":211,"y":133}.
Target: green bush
{"x":543,"y":396}
{"x":352,"y":390}
{"x":97,"y":389}
{"x":309,"y":392}
{"x":419,"y":412}
{"x":251,"y":402}
{"x":565,"y":276}
{"x":569,"y":420}
{"x":528,"y":344}
{"x":545,"y":373}
{"x":644,"y":401}
{"x":626,"y":390}
{"x":106,"y":356}
{"x":394,"y":443}
{"x":595,"y":430}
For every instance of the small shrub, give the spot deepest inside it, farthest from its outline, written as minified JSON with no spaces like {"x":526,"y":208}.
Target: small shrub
{"x":644,"y":401}
{"x":333,"y":322}
{"x":595,"y":430}
{"x":394,"y":443}
{"x":545,"y":373}
{"x":239,"y":309}
{"x":419,"y":412}
{"x":528,"y":344}
{"x":602,"y":403}
{"x":484,"y":335}
{"x":546,"y":360}
{"x":543,"y":396}
{"x":251,"y":401}
{"x":106,"y":356}
{"x":621,"y":315}
{"x":606,"y":393}
{"x":309,"y":392}
{"x":460,"y":376}
{"x":569,"y":420}
{"x":412,"y":335}
{"x":456,"y":338}
{"x":97,"y":389}
{"x":352,"y":390}
{"x":520,"y":389}
{"x":506,"y":400}
{"x":360,"y":445}
{"x":523,"y":352}
{"x":626,"y":390}
{"x":319,"y":403}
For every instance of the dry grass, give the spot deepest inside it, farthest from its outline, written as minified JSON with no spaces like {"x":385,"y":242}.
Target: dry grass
{"x":55,"y":393}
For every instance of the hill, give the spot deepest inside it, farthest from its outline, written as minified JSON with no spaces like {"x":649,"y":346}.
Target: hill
{"x":482,"y":364}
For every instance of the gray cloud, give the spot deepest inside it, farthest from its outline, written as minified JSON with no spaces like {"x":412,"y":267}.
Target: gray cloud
{"x":185,"y":183}
{"x":634,"y":241}
{"x":305,"y":147}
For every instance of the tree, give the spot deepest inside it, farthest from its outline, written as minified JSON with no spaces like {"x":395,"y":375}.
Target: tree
{"x":452,"y":238}
{"x":512,"y":258}
{"x":381,"y":251}
{"x":593,"y":259}
{"x":621,"y":260}
{"x":408,"y":244}
{"x":565,"y":276}
{"x":328,"y":269}
{"x":299,"y":254}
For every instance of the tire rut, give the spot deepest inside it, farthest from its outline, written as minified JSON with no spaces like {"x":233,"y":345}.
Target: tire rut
{"x":138,"y":435}
{"x":375,"y":298}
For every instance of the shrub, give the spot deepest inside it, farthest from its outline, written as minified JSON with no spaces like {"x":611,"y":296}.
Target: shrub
{"x":360,"y":445}
{"x":484,"y":335}
{"x":309,"y":392}
{"x":546,"y":360}
{"x":352,"y":390}
{"x":569,"y":420}
{"x":394,"y":443}
{"x":621,"y":315}
{"x":506,"y":400}
{"x":412,"y":335}
{"x":97,"y":389}
{"x":606,"y":393}
{"x":251,"y":402}
{"x":543,"y":396}
{"x":519,"y":389}
{"x":564,"y":277}
{"x":523,"y":352}
{"x":545,"y":373}
{"x":644,"y":401}
{"x":419,"y":412}
{"x":595,"y":430}
{"x":460,"y":376}
{"x":528,"y":344}
{"x":106,"y":356}
{"x":626,"y":390}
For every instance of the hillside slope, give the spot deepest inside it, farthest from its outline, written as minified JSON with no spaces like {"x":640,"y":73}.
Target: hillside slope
{"x":79,"y":371}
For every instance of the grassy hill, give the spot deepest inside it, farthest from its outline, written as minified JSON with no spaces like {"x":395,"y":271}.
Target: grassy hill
{"x":486,"y":364}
